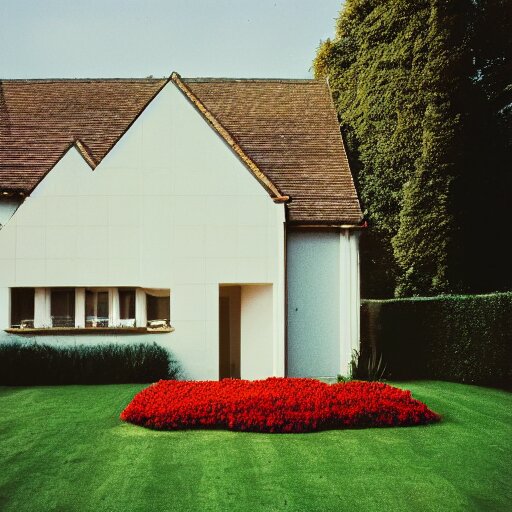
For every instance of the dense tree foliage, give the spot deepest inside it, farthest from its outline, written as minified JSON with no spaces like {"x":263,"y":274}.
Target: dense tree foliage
{"x":423,"y":92}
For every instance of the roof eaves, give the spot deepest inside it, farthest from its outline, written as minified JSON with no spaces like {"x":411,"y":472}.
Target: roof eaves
{"x":344,"y":154}
{"x":329,"y":224}
{"x":271,"y":188}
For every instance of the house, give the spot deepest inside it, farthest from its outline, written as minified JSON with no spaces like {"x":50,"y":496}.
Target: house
{"x":217,"y":217}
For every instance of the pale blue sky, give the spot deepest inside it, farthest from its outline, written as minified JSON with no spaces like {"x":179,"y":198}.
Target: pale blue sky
{"x":137,"y":38}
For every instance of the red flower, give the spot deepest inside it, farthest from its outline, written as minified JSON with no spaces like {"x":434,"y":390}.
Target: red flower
{"x":274,"y":405}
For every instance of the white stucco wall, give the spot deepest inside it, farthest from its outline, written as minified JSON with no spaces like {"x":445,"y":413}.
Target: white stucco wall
{"x":256,"y":334}
{"x":7,"y":207}
{"x":323,"y":301}
{"x":169,"y":207}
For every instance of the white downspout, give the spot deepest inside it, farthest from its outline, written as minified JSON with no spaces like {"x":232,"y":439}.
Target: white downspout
{"x":279,"y":347}
{"x":349,"y":298}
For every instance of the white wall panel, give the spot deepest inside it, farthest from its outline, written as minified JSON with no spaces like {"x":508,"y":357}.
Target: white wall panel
{"x":92,"y":242}
{"x":31,"y":213}
{"x":7,"y":271}
{"x":221,"y":270}
{"x":221,"y":241}
{"x":91,"y":210}
{"x":8,"y":247}
{"x":124,"y":271}
{"x":252,"y":270}
{"x":189,"y":270}
{"x":256,"y":332}
{"x":120,"y":215}
{"x":7,"y":208}
{"x":188,"y":241}
{"x":61,"y":211}
{"x":253,"y":242}
{"x":91,"y":272}
{"x":30,"y":242}
{"x":313,"y":303}
{"x":54,"y":236}
{"x":63,"y":270}
{"x":5,"y":309}
{"x":30,"y":272}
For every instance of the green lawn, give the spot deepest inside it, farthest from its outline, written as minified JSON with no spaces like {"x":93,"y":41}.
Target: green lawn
{"x":64,"y":449}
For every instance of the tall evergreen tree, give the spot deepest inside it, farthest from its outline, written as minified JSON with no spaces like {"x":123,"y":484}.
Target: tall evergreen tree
{"x":426,"y":234}
{"x":374,"y":68}
{"x":409,"y":95}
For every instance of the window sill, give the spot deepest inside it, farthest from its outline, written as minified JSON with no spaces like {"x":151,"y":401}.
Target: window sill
{"x":88,"y":330}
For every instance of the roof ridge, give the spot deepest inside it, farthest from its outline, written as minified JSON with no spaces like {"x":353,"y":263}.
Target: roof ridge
{"x":53,"y":80}
{"x":271,"y":80}
{"x":156,"y":79}
{"x":229,"y":139}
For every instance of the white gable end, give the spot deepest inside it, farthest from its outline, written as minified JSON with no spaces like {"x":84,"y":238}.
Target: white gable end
{"x":170,"y":206}
{"x":170,"y":188}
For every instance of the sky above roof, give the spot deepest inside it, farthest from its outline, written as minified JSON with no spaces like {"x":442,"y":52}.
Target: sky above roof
{"x":139,"y":38}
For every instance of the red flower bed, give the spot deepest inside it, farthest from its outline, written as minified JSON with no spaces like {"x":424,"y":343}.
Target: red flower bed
{"x":274,"y":405}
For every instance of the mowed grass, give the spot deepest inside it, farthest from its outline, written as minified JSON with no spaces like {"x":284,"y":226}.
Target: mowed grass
{"x":64,"y":449}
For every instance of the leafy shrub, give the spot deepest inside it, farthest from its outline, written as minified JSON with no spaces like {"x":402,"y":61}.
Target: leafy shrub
{"x":23,"y":364}
{"x":274,"y":405}
{"x":463,"y":338}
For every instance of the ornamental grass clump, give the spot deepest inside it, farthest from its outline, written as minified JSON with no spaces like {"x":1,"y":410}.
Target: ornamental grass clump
{"x":275,"y":405}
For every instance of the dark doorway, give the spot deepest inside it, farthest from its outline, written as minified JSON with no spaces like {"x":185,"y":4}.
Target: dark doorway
{"x":229,"y":332}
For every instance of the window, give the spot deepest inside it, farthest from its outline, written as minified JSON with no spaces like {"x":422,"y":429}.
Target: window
{"x":126,"y":307}
{"x":158,"y":307}
{"x":86,"y":309}
{"x":62,"y":307}
{"x":22,"y":307}
{"x":96,"y":308}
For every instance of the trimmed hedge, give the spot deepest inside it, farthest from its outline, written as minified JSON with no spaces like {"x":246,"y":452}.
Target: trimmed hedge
{"x":23,"y":364}
{"x":460,"y":338}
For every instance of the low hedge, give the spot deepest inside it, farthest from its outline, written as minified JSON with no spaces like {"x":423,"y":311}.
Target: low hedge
{"x":463,"y":338}
{"x":29,"y":364}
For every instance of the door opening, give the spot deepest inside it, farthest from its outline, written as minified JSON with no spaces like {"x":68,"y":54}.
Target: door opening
{"x":229,"y":332}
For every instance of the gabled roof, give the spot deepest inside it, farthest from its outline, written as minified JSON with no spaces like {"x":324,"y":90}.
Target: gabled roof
{"x":40,"y":119}
{"x":285,"y":131}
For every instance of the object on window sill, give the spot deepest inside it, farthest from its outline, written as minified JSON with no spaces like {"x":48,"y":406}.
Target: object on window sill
{"x":158,"y":324}
{"x":127,"y":322}
{"x":96,"y":321}
{"x":63,"y":321}
{"x":57,"y":331}
{"x":25,"y":324}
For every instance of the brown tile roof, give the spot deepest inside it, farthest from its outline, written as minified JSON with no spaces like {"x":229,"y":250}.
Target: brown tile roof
{"x":40,"y":119}
{"x":289,"y":128}
{"x":285,"y":130}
